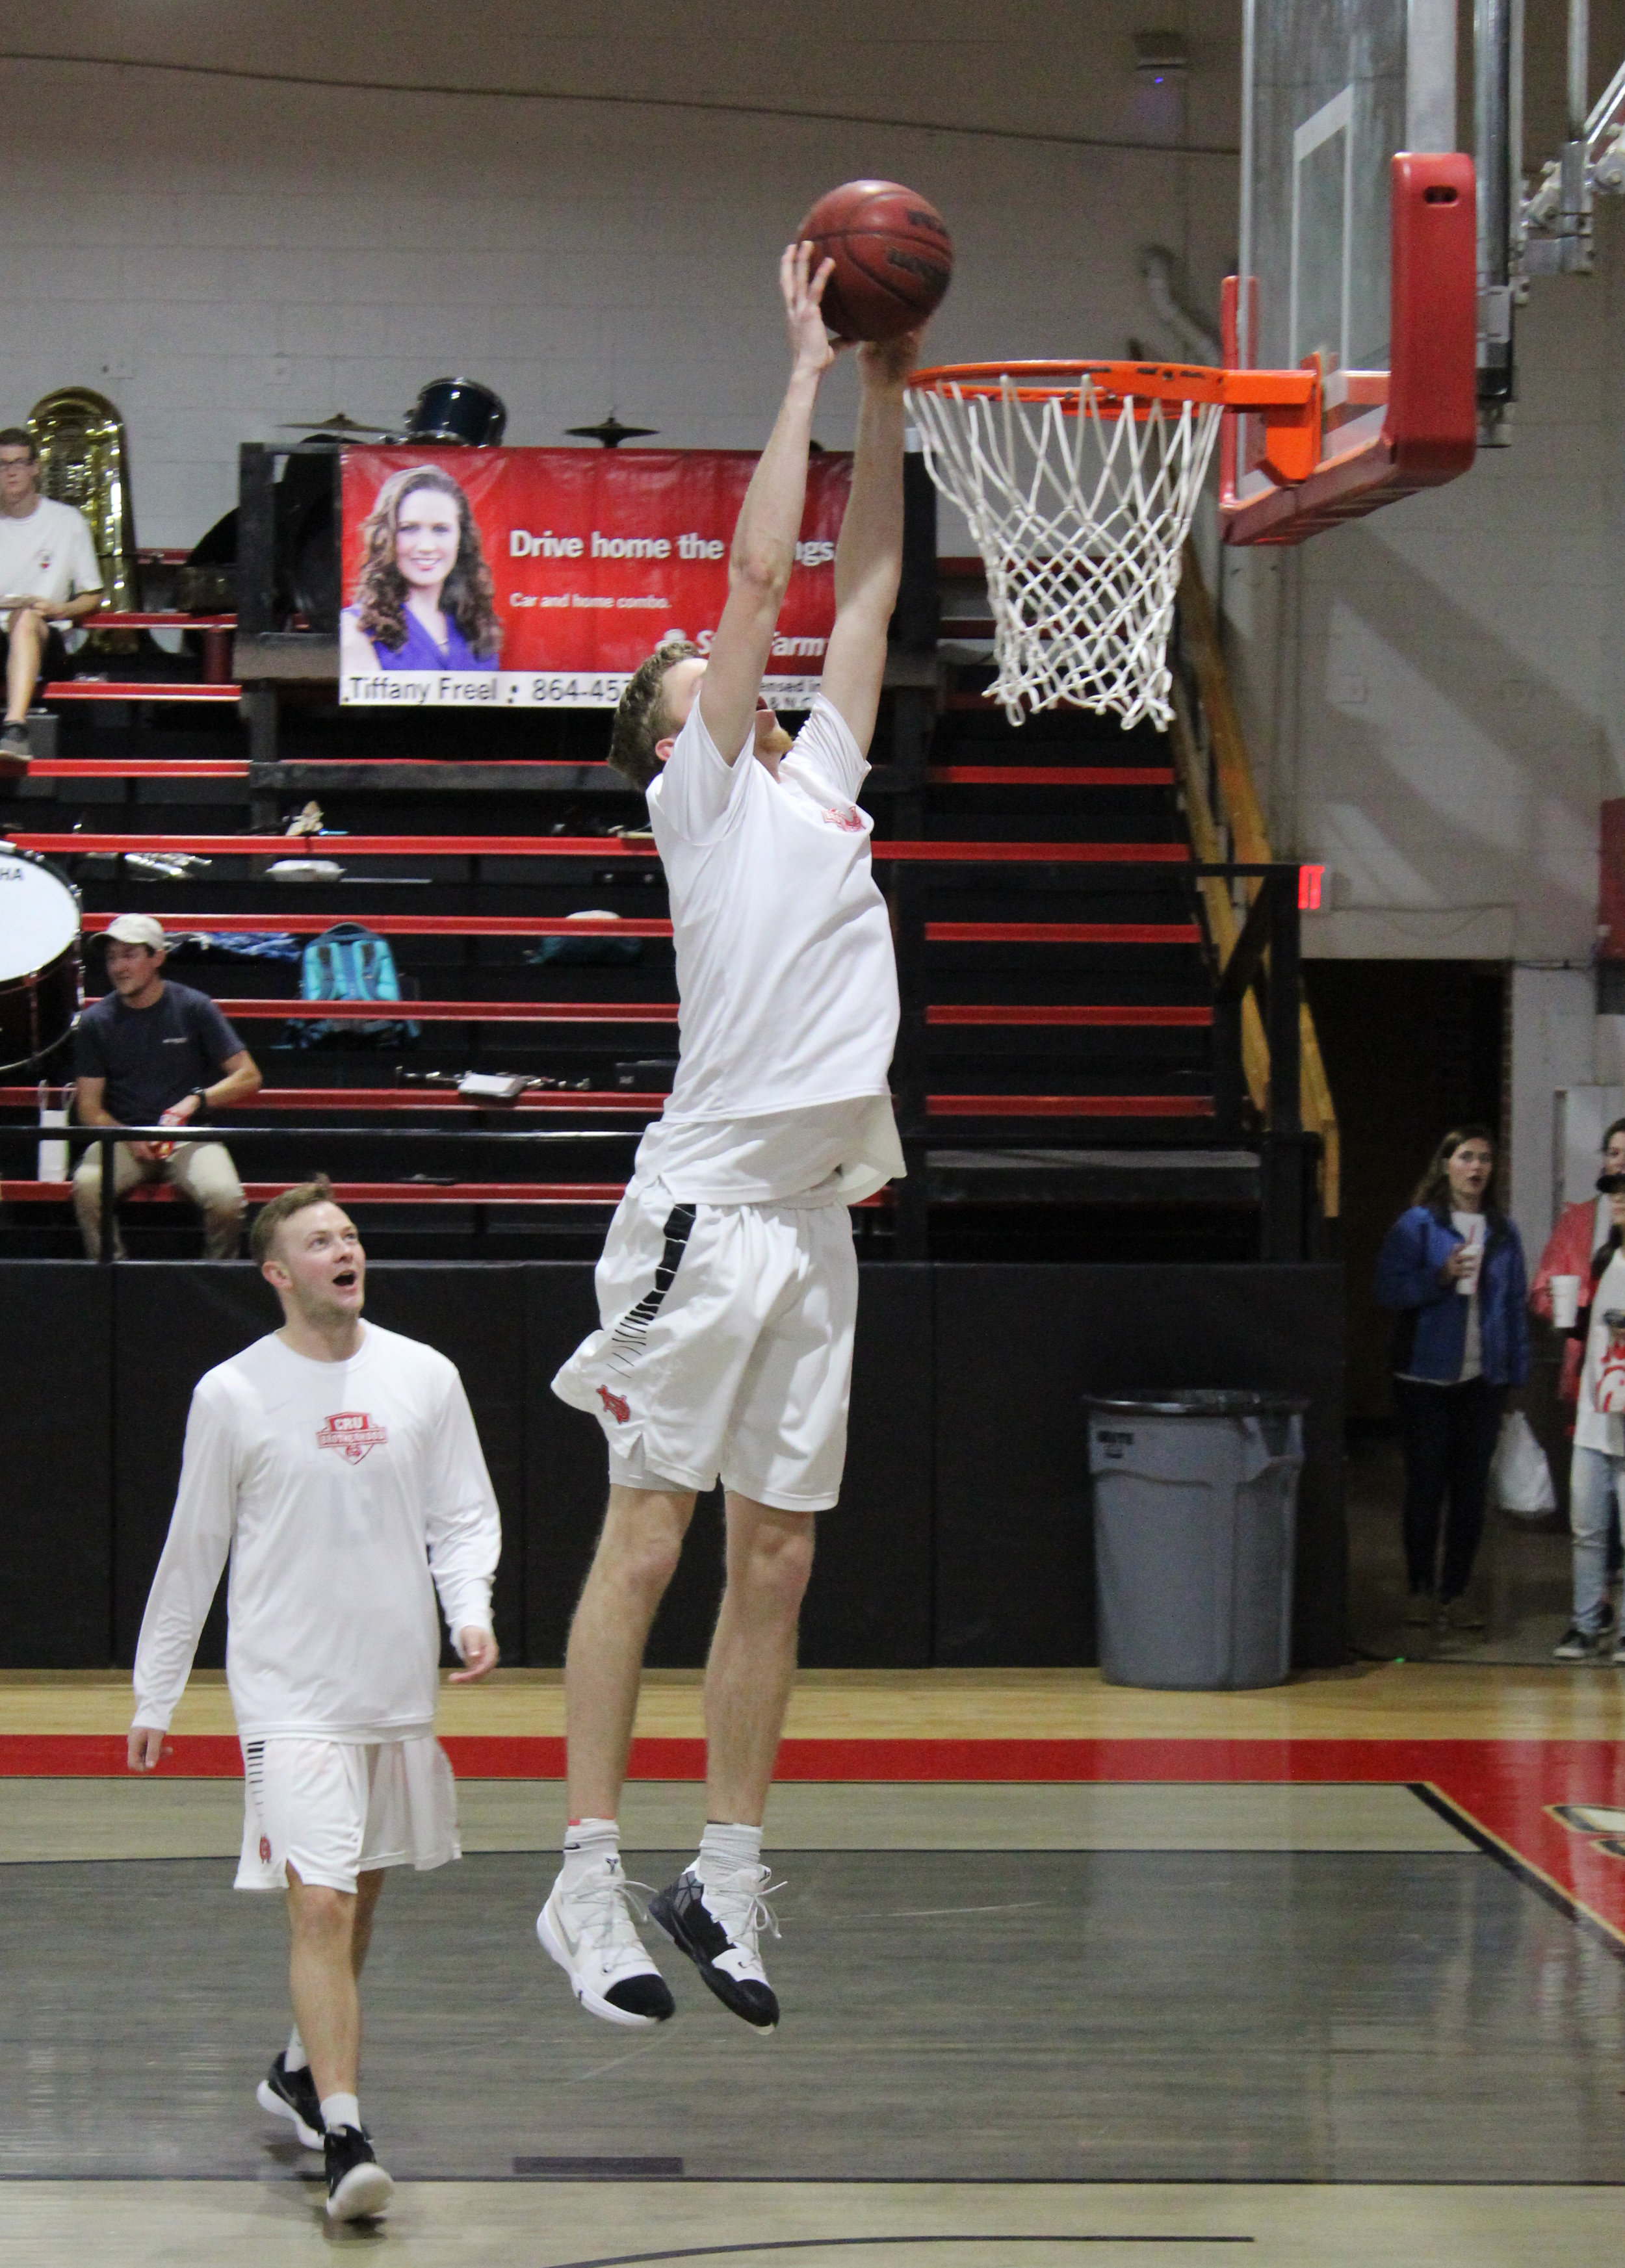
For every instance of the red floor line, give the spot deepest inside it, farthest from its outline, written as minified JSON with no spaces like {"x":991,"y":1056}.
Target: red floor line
{"x":1507,"y":1791}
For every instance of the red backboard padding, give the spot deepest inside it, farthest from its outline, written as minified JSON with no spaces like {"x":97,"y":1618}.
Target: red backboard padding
{"x":1430,"y":433}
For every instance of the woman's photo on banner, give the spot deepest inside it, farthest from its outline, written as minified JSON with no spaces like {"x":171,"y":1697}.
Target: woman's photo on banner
{"x":423,"y":598}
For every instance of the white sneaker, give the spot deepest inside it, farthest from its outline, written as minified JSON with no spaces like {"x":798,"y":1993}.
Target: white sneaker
{"x":590,"y":1933}
{"x":717,"y":1924}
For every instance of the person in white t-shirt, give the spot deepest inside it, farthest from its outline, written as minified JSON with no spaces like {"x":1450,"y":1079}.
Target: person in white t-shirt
{"x":1597,"y":1469}
{"x":48,"y":573}
{"x":728,"y":1290}
{"x":338,"y":1468}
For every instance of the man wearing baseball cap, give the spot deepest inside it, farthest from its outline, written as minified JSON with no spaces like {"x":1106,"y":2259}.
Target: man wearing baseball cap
{"x":156,"y":1053}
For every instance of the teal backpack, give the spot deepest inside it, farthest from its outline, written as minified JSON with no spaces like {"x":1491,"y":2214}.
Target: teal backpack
{"x":349,"y":962}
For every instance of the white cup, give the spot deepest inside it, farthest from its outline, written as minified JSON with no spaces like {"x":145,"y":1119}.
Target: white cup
{"x":1565,"y":1292}
{"x":1473,"y":1252}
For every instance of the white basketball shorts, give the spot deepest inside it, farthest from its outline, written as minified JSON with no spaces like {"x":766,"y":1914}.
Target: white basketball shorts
{"x":333,"y":1809}
{"x":725,"y":1348}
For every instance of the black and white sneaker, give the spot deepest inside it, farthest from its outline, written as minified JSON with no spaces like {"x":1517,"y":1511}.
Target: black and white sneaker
{"x":716,"y":1924}
{"x":1578,"y":1645}
{"x":291,"y":2094}
{"x":590,"y":1931}
{"x":358,"y":2189}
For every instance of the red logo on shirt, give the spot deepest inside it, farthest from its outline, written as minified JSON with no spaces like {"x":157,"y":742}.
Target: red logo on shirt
{"x":352,"y":1434}
{"x":265,"y":1849}
{"x":618,"y":1407}
{"x":843,"y":814}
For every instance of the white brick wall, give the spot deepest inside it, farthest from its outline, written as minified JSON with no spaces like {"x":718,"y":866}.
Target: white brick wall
{"x":222,"y":255}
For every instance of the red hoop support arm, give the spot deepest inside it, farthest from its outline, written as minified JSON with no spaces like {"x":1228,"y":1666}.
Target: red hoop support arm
{"x":1431,"y":428}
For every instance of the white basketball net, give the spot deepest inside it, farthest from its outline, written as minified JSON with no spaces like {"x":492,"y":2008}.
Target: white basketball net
{"x":1079,"y":515}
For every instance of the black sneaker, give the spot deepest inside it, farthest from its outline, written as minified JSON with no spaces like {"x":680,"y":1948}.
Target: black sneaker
{"x":717,"y":1926}
{"x":358,"y":2189}
{"x":1578,"y":1645}
{"x":291,"y":2094}
{"x":14,"y":751}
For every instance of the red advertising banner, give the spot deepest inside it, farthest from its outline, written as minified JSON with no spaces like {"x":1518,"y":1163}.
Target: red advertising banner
{"x":542,"y":577}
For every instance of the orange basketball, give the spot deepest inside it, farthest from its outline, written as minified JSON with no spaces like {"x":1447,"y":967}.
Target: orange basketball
{"x":893,"y":258}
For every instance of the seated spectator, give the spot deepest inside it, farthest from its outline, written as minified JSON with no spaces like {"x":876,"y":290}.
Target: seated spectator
{"x":48,"y":573}
{"x":156,"y":1053}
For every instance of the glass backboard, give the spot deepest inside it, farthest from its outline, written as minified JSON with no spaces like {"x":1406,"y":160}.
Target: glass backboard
{"x":1331,"y":90}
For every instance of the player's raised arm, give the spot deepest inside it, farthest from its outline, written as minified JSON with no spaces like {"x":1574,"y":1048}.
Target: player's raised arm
{"x":770,"y":519}
{"x":868,"y":557}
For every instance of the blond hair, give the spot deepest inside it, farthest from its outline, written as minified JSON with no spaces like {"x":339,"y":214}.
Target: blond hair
{"x":269,"y":1220}
{"x":640,"y":717}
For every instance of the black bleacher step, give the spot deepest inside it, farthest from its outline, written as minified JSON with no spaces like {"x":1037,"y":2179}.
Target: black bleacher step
{"x":1097,"y":821}
{"x":377,"y":776}
{"x":1140,"y":1176}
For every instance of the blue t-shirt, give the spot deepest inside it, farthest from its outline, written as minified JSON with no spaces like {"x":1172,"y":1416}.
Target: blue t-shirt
{"x":150,"y":1058}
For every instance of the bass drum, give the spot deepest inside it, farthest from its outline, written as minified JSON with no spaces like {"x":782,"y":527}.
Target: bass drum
{"x":39,"y":958}
{"x":458,"y":411}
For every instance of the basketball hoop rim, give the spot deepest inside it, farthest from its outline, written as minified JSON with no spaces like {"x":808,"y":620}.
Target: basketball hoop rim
{"x":1290,"y":390}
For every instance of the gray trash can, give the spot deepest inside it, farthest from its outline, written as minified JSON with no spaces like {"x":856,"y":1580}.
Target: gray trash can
{"x":1195,"y":1513}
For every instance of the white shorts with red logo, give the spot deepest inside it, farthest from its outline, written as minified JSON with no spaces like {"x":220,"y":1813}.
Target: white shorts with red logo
{"x":724,"y":1350}
{"x":333,"y":1809}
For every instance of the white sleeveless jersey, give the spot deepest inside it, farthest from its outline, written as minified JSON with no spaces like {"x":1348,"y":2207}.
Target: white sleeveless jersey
{"x":785,"y":975}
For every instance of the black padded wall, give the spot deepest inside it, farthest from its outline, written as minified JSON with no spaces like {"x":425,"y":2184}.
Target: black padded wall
{"x":55,"y":1465}
{"x":962,"y":1536}
{"x":1017,"y":1350}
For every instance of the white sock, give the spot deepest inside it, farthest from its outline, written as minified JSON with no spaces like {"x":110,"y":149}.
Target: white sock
{"x":294,"y":2057}
{"x":588,"y":1843}
{"x":724,"y":1850}
{"x":340,"y":2110}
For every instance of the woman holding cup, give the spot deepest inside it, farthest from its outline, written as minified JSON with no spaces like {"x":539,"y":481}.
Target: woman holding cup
{"x":1597,"y":1472}
{"x":1451,"y":1270}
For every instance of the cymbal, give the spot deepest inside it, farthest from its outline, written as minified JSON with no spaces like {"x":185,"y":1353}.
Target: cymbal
{"x":611,"y":432}
{"x":338,"y":423}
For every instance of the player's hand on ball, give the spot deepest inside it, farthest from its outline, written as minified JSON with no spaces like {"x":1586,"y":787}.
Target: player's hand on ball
{"x":146,"y":1746}
{"x":811,"y":346}
{"x":479,"y":1651}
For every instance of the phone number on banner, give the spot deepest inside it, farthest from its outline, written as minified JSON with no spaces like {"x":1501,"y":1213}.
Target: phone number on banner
{"x":521,"y":689}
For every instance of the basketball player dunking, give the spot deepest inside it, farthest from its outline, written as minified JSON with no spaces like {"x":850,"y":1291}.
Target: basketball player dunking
{"x":337,"y":1466}
{"x":728,"y":1289}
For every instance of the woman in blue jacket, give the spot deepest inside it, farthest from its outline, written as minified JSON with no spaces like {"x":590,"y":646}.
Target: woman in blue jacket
{"x":1452,"y":1269}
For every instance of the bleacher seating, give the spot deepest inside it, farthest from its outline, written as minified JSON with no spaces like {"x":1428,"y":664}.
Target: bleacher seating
{"x":1056,"y":984}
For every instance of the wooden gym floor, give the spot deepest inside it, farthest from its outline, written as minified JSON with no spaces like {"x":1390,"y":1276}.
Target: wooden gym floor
{"x":1325,"y":1974}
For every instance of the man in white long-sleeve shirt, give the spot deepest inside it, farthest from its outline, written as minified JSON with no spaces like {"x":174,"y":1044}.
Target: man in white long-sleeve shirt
{"x":338,"y":1466}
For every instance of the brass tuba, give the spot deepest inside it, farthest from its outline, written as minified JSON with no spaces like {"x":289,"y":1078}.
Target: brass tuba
{"x":84,"y":461}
